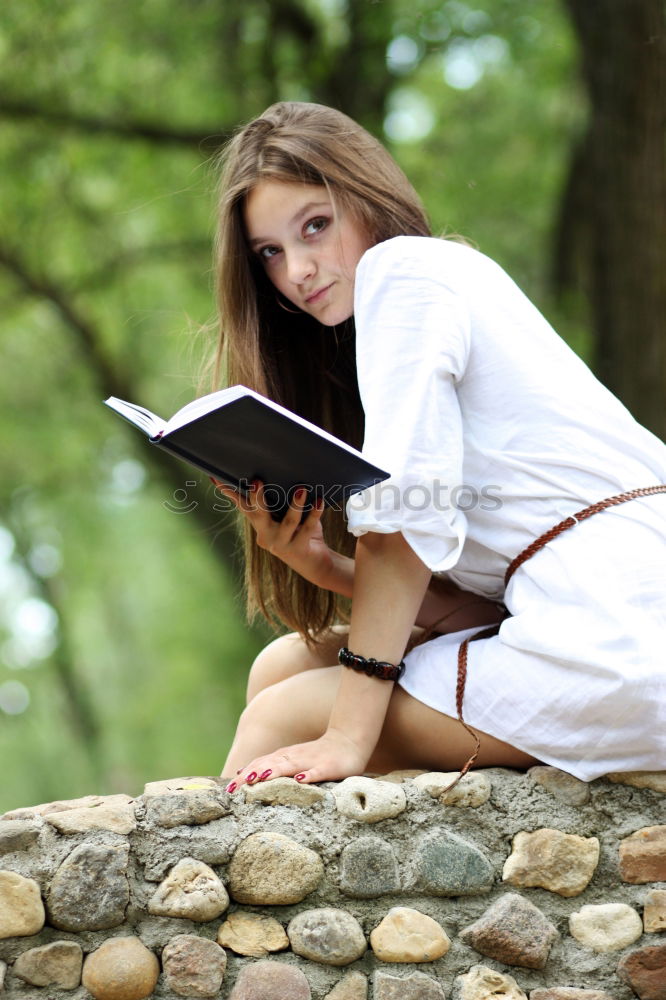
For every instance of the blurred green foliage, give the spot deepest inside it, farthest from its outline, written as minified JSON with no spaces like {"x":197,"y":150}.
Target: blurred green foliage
{"x":123,"y":648}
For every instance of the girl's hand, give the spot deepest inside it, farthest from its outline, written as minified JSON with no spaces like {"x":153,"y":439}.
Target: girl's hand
{"x":332,"y":757}
{"x":300,"y":545}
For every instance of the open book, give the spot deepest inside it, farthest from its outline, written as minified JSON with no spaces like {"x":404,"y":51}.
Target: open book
{"x":237,"y":436}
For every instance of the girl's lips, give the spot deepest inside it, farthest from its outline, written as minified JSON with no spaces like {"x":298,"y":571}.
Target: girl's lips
{"x":316,"y":296}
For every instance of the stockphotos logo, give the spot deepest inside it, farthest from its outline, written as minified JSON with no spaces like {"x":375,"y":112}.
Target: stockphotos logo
{"x":385,"y":496}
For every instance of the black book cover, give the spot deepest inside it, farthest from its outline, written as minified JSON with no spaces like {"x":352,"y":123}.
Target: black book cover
{"x":252,"y":438}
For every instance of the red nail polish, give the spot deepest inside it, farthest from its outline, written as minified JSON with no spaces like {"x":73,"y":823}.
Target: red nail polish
{"x":231,"y":787}
{"x":252,"y":776}
{"x":266,"y":774}
{"x":299,"y":777}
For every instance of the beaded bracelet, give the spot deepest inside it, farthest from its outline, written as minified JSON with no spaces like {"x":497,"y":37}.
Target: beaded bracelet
{"x":373,"y":668}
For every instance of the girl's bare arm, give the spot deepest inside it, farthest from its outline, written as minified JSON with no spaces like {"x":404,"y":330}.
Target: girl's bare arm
{"x":389,"y":584}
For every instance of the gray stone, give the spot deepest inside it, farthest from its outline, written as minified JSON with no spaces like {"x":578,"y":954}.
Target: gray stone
{"x":368,"y":868}
{"x":3,"y":973}
{"x":158,"y":851}
{"x":284,"y":792}
{"x":191,"y":890}
{"x":121,"y":968}
{"x":451,"y":866}
{"x":21,"y":907}
{"x":115,"y":813}
{"x":181,"y":786}
{"x":269,"y":869}
{"x":17,"y":835}
{"x":512,"y":931}
{"x":178,"y":809}
{"x":56,"y":964}
{"x":561,"y":785}
{"x":369,"y":800}
{"x":418,"y":986}
{"x":268,"y":980}
{"x":327,"y":935}
{"x":471,"y":791}
{"x":193,"y":966}
{"x":90,"y":891}
{"x":62,"y":805}
{"x":482,"y":983}
{"x":353,"y":986}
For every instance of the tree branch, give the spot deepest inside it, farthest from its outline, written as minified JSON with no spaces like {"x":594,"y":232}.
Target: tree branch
{"x":205,"y":140}
{"x":215,"y":525}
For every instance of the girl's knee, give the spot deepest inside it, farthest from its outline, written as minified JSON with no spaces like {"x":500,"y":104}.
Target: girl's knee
{"x":282,"y":658}
{"x":297,"y":707}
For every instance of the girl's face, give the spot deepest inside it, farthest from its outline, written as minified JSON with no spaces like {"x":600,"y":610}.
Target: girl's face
{"x":309,"y":251}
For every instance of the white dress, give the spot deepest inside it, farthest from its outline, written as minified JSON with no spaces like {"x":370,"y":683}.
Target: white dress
{"x":494,"y":430}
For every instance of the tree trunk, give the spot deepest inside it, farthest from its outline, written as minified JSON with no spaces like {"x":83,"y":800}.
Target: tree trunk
{"x":615,"y":201}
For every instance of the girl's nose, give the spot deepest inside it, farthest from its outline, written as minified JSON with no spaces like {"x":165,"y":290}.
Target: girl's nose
{"x":300,"y":266}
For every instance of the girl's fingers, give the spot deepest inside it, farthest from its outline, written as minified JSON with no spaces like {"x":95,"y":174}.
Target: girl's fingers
{"x":229,"y":492}
{"x":314,"y":516}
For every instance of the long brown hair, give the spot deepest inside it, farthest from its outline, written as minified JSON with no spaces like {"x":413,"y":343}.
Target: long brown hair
{"x":290,"y":357}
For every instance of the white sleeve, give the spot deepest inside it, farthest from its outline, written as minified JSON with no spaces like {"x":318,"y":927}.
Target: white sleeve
{"x":412,"y":344}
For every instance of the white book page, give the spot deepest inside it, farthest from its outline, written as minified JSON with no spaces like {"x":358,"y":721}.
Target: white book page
{"x":205,"y":404}
{"x":150,"y":423}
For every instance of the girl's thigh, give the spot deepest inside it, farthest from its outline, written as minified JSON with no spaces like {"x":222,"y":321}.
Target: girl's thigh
{"x":418,"y":736}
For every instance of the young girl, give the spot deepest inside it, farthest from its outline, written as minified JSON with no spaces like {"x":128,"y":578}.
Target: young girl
{"x":336,"y":302}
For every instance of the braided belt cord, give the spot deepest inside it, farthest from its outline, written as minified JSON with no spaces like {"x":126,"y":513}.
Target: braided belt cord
{"x":527,"y":553}
{"x":573,"y":519}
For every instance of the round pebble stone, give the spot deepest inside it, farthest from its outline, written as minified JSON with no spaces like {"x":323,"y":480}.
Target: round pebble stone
{"x":122,"y":968}
{"x":272,"y":869}
{"x":480,"y":983}
{"x":369,"y":800}
{"x":191,"y":890}
{"x":268,"y":980}
{"x":606,"y":927}
{"x":21,"y":908}
{"x":252,"y":934}
{"x":326,"y":935}
{"x":406,"y":935}
{"x":55,"y":964}
{"x":193,"y":966}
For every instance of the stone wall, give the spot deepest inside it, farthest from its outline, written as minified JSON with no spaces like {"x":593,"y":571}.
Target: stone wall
{"x":512,"y":885}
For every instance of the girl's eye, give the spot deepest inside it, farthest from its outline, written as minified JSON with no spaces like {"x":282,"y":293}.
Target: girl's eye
{"x":266,"y":253}
{"x":315,"y":225}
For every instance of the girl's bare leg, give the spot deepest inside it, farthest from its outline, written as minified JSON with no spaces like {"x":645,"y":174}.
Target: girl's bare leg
{"x":296,"y":705}
{"x":445,"y":608}
{"x":289,"y":655}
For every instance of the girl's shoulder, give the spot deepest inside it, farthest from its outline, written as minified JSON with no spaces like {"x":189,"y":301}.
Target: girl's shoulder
{"x":426,"y":256}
